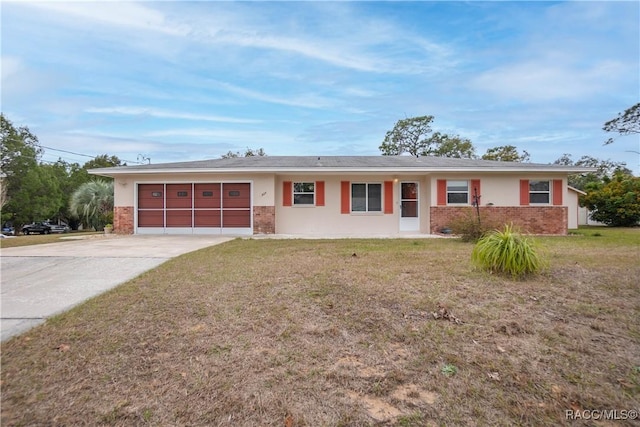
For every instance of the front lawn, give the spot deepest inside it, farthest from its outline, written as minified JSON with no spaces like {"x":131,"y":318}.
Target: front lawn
{"x":40,"y":239}
{"x":341,"y":332}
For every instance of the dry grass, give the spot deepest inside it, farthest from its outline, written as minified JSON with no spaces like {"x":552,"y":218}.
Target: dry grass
{"x":330,"y":333}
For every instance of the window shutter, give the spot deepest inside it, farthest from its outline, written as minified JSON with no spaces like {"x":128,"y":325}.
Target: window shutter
{"x":557,"y":192}
{"x":475,"y":190}
{"x":442,"y":192}
{"x":287,"y":193}
{"x":524,"y":192}
{"x":345,"y":196}
{"x":319,"y":193}
{"x":388,"y":197}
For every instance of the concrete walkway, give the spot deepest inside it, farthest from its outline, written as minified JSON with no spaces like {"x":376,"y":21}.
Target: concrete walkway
{"x":43,"y":280}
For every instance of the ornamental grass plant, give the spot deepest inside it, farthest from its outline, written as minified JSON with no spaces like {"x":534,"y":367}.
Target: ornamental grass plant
{"x":508,"y":252}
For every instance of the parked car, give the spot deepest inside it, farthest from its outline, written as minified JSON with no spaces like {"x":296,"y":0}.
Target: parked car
{"x":8,"y":230}
{"x":37,"y":228}
{"x":59,"y":228}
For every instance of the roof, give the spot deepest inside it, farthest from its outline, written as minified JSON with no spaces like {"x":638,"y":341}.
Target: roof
{"x":576,"y":190}
{"x":284,"y":164}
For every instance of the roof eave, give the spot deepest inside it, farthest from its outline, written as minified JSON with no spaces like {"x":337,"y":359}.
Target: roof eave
{"x":111,"y":172}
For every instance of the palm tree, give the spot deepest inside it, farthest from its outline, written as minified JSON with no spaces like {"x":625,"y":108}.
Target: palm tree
{"x":92,"y":202}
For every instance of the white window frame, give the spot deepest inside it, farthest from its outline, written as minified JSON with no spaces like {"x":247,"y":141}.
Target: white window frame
{"x":467,"y":191}
{"x":306,"y":193}
{"x":547,"y":192}
{"x":366,"y":194}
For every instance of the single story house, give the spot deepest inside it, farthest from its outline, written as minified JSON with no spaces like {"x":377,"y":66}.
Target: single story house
{"x":336,"y":195}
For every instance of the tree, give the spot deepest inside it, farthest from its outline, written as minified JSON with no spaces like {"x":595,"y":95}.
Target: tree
{"x":39,"y":197}
{"x":20,"y":151}
{"x":92,"y":202}
{"x":103,"y":161}
{"x":415,"y":136}
{"x":615,"y":203}
{"x":453,"y":146}
{"x":408,"y":136}
{"x":605,"y":170}
{"x":506,"y":153}
{"x":249,"y":152}
{"x":627,"y":123}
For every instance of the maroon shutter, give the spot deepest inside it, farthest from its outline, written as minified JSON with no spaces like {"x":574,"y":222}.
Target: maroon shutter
{"x":524,"y":192}
{"x":287,"y":193}
{"x":442,"y":192}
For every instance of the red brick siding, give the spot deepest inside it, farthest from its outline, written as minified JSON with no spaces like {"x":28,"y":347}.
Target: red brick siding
{"x":123,"y":219}
{"x":530,"y":219}
{"x":264,"y":220}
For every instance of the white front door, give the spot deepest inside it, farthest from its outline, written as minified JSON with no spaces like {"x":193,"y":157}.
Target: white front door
{"x":409,"y":206}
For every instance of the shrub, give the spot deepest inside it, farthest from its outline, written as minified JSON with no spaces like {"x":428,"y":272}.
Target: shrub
{"x":507,"y":252}
{"x":470,"y":228}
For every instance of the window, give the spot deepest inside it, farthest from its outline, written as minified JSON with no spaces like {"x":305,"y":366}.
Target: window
{"x":539,"y":192}
{"x":207,"y":194}
{"x":182,"y":194}
{"x":457,"y":192}
{"x":156,"y":194}
{"x":366,"y":197}
{"x":304,"y":193}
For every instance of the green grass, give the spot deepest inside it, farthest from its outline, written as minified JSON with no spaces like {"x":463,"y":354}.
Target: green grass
{"x":40,"y":239}
{"x":268,"y":332}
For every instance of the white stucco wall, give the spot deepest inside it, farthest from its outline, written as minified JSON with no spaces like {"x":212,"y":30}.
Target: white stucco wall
{"x":500,"y":190}
{"x":328,"y":220}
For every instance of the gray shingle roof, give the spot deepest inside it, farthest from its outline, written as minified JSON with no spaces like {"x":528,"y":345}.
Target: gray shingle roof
{"x":337,"y":163}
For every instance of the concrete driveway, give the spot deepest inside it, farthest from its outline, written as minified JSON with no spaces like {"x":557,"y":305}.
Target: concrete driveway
{"x":42,"y":280}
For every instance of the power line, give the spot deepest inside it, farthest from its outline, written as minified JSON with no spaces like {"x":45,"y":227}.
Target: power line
{"x":87,"y":155}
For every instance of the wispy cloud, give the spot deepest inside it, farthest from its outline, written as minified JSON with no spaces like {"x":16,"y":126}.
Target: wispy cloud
{"x":153,"y":112}
{"x":114,"y":13}
{"x":296,"y":100}
{"x":546,"y":80}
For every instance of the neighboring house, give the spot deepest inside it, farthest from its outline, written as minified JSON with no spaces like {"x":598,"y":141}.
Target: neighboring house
{"x":581,"y":216}
{"x":337,"y":195}
{"x":573,"y":203}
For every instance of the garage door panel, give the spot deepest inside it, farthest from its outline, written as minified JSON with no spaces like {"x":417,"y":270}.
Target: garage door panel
{"x":150,"y":218}
{"x":184,"y":207}
{"x":206,"y":196}
{"x":235,"y":219}
{"x":208,"y":218}
{"x":179,"y":218}
{"x":179,"y":196}
{"x":236,"y":195}
{"x":150,"y":196}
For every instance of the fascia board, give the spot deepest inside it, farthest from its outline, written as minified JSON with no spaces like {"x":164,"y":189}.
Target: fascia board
{"x":350,"y":170}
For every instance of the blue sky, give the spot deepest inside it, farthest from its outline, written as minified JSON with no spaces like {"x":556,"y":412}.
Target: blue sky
{"x":178,"y":81}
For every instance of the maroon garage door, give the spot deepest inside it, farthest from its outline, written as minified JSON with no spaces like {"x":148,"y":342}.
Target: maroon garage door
{"x":194,"y":208}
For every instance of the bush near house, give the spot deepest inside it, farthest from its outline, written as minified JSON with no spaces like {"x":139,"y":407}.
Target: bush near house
{"x":507,"y":252}
{"x":616,"y":202}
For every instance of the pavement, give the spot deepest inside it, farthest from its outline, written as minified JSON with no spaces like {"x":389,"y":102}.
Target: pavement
{"x":40,"y":281}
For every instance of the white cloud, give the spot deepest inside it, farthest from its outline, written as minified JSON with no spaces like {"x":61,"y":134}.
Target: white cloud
{"x":546,"y":80}
{"x":10,"y":67}
{"x":297,"y":100}
{"x":165,"y":114}
{"x":116,"y":13}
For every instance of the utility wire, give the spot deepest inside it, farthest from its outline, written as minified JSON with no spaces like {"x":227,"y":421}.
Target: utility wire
{"x":86,"y":155}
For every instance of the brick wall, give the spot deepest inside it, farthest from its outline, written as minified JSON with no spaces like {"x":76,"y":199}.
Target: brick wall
{"x":530,"y":219}
{"x":123,"y":219}
{"x":264,"y":220}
